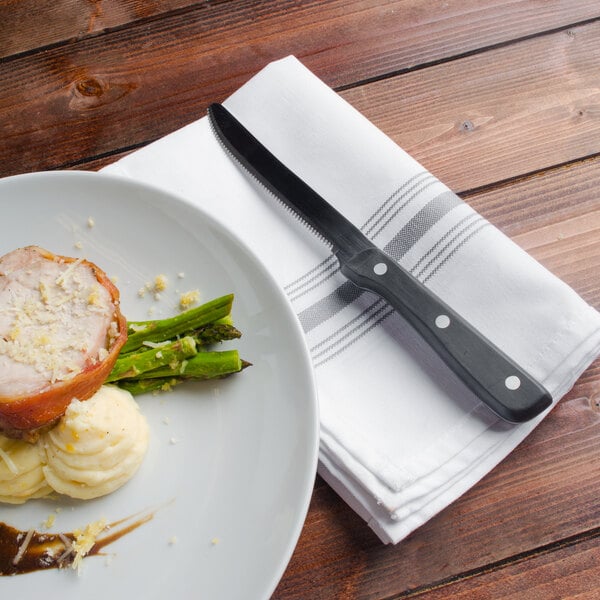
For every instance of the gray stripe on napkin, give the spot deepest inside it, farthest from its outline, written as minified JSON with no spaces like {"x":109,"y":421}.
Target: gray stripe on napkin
{"x":306,"y":282}
{"x":347,"y":292}
{"x":311,"y":275}
{"x":392,"y":212}
{"x":345,"y":330}
{"x":460,"y":226}
{"x":421,"y":223}
{"x":455,"y":249}
{"x":319,"y":279}
{"x":382,"y":313}
{"x":378,"y":311}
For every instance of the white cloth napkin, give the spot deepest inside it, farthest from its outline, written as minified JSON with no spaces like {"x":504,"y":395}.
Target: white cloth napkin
{"x":401,"y":437}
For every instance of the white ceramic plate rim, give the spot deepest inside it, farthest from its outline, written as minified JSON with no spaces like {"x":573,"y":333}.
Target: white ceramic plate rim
{"x":80,"y":181}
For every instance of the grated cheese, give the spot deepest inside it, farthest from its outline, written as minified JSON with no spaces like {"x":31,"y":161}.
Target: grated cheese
{"x":160,"y":283}
{"x":68,"y":548}
{"x":23,"y":547}
{"x":188,"y":298}
{"x":85,"y":540}
{"x":62,"y":278}
{"x":50,"y":520}
{"x":12,"y":467}
{"x":44,"y":331}
{"x":155,"y":344}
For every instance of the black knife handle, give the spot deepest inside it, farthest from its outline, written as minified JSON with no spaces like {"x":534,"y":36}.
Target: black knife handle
{"x":508,"y":390}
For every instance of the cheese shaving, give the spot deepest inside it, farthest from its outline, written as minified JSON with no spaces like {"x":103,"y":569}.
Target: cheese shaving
{"x":62,"y":278}
{"x":67,"y":551}
{"x":12,"y":467}
{"x":85,"y":540}
{"x":23,"y":547}
{"x":155,"y":344}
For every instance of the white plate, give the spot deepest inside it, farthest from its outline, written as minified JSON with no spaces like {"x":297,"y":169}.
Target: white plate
{"x":231,"y":464}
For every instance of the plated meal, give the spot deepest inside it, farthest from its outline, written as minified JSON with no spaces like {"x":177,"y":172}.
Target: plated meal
{"x":70,"y":364}
{"x":205,"y":474}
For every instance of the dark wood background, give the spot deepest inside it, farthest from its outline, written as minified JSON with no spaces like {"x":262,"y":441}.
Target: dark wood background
{"x":498,"y":98}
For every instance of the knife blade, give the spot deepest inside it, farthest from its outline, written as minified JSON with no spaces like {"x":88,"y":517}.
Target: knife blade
{"x":493,"y":376}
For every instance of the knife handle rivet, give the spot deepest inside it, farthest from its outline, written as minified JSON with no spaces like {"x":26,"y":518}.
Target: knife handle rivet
{"x":380,"y":268}
{"x":442,"y":321}
{"x":512,"y":382}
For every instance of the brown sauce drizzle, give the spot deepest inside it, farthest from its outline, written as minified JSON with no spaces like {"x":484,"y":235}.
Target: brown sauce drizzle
{"x":51,"y":550}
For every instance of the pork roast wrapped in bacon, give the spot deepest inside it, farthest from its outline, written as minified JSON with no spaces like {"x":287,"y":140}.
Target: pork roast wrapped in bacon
{"x":61,"y":330}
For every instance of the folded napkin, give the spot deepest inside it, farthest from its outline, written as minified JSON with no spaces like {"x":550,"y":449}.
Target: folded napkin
{"x":401,"y":437}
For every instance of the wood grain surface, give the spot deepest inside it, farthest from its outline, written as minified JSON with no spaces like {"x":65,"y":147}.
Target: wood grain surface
{"x":498,"y":98}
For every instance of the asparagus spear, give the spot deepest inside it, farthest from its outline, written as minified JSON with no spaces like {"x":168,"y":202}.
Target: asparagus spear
{"x":136,"y":363}
{"x":173,"y":355}
{"x":165,"y":329}
{"x":216,"y":332}
{"x":137,"y":386}
{"x":143,"y":385}
{"x":203,"y":365}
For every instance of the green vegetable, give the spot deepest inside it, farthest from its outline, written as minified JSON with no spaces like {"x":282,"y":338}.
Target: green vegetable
{"x":203,"y":365}
{"x":163,"y":353}
{"x":167,"y":329}
{"x":137,"y":363}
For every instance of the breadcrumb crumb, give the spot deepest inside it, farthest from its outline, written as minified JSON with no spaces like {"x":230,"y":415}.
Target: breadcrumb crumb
{"x":49,"y":521}
{"x":188,"y":298}
{"x":160,"y":283}
{"x":85,"y":540}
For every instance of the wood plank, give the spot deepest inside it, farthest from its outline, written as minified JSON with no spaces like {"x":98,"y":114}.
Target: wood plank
{"x":497,"y":115}
{"x":544,"y":492}
{"x":571,"y":571}
{"x":123,"y":89}
{"x":30,"y":24}
{"x":556,"y":218}
{"x":423,"y":30}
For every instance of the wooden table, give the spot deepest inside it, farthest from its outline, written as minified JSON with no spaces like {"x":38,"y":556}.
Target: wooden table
{"x":498,"y":98}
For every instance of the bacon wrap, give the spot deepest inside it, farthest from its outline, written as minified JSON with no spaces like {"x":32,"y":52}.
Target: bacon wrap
{"x":24,"y":417}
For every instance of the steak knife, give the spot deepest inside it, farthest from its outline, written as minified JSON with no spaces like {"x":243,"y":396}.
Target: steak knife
{"x":493,"y":376}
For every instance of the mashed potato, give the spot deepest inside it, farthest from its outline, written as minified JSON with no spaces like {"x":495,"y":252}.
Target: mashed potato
{"x":21,"y":474}
{"x":94,"y":449}
{"x":97,"y":446}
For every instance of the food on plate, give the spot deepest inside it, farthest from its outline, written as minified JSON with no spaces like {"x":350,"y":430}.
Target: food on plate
{"x":21,"y":472}
{"x":61,"y":330}
{"x":97,"y":445}
{"x":95,"y":448}
{"x":70,"y":364}
{"x":24,"y":551}
{"x":162,"y":353}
